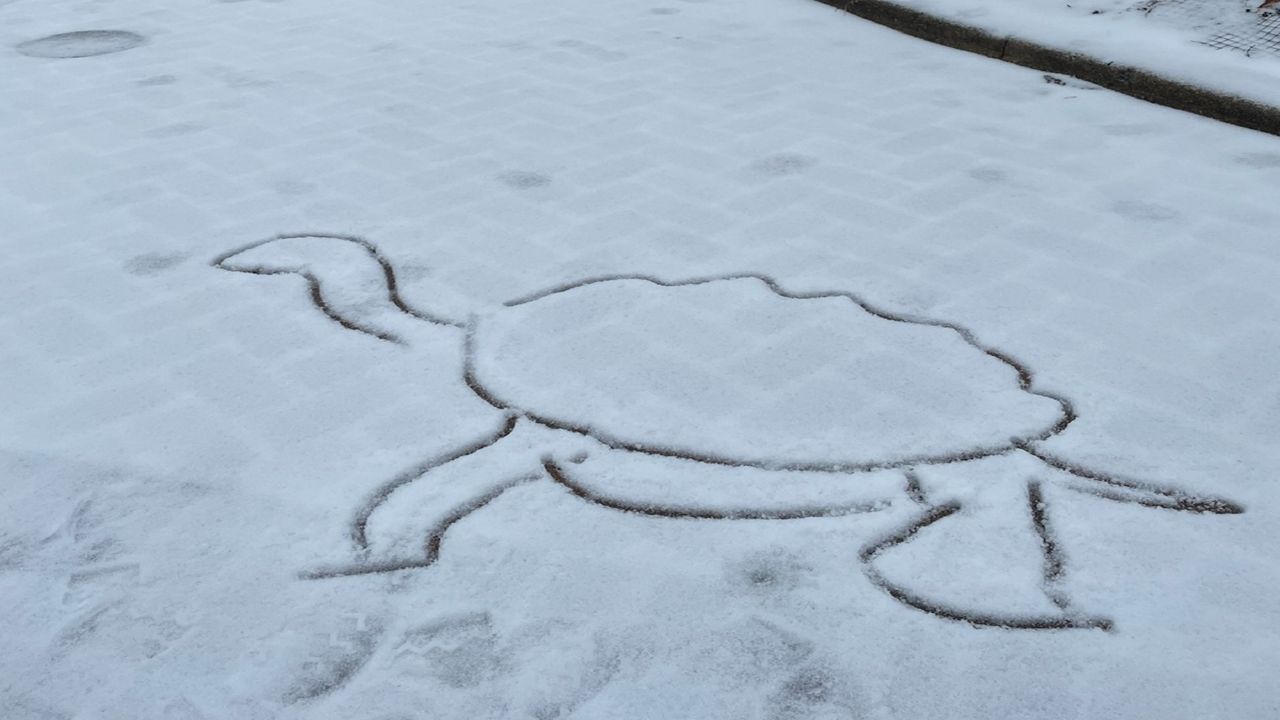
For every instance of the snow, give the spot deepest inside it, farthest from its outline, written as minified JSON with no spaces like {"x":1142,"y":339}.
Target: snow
{"x":191,"y":449}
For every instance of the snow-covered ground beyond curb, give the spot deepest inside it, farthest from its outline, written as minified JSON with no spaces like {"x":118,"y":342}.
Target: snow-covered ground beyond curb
{"x":1226,"y":46}
{"x":215,"y":415}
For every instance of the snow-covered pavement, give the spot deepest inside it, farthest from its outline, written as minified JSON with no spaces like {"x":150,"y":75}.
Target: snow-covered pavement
{"x":659,"y":359}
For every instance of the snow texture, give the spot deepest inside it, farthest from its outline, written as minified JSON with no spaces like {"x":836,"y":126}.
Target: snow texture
{"x":621,"y":360}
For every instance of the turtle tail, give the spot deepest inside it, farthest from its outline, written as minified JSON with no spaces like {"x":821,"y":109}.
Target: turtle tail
{"x":348,"y":279}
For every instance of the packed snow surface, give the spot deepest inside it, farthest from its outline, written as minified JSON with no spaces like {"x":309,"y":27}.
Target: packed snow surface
{"x":621,"y":360}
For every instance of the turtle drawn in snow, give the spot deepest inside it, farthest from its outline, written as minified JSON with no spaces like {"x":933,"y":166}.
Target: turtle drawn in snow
{"x":705,"y":376}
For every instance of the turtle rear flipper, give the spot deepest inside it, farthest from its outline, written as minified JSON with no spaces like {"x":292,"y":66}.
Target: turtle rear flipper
{"x":991,"y":561}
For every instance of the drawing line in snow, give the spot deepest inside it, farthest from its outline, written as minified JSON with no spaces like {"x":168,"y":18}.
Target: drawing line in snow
{"x":1081,"y":478}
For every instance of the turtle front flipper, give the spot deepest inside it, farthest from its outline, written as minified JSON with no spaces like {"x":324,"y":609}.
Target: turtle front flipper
{"x":403,"y":523}
{"x":990,"y":560}
{"x":1121,"y":489}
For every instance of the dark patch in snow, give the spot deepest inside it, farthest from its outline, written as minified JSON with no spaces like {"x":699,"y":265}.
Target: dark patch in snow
{"x":154,"y":263}
{"x":98,"y":582}
{"x":82,"y":43}
{"x":990,"y":175}
{"x":591,"y":50}
{"x":770,"y":572}
{"x":80,"y":630}
{"x":784,"y":164}
{"x":523,"y":180}
{"x":1143,"y":211}
{"x":294,"y":187}
{"x":13,"y":552}
{"x":814,"y":691}
{"x":808,"y":687}
{"x":156,"y":80}
{"x":1260,"y":160}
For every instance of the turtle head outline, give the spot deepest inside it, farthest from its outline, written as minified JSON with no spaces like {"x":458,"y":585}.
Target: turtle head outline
{"x":514,"y":381}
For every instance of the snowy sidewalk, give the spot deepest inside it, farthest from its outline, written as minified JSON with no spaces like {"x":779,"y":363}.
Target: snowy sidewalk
{"x":642,"y":359}
{"x":1165,"y":51}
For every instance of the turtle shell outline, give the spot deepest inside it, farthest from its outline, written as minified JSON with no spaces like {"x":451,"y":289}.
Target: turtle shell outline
{"x":1065,"y":414}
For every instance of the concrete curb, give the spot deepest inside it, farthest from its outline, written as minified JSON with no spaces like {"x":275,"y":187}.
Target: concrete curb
{"x":1132,"y":81}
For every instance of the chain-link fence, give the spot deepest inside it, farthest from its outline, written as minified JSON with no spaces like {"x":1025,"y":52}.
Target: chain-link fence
{"x":1223,"y":25}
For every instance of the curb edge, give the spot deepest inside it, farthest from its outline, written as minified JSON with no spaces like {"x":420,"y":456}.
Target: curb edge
{"x":1128,"y":80}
